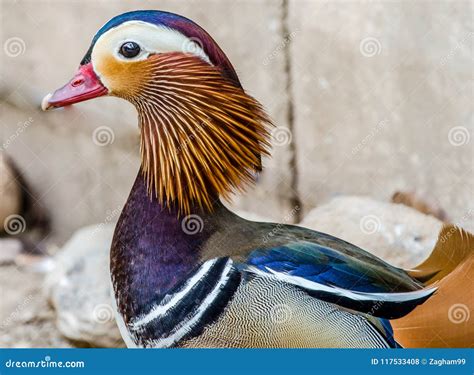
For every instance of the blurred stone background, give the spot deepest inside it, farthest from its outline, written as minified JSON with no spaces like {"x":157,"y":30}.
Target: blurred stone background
{"x":369,"y":98}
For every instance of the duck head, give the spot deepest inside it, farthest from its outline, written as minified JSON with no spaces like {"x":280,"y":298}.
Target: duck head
{"x":201,"y":134}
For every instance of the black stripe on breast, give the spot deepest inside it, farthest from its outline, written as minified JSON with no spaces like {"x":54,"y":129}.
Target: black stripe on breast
{"x":215,"y":309}
{"x":164,"y":325}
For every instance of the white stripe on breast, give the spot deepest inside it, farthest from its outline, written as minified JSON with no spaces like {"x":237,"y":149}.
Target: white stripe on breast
{"x":185,"y":328}
{"x":159,"y":310}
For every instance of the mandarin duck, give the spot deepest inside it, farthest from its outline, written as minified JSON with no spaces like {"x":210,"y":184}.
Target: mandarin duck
{"x":185,"y":270}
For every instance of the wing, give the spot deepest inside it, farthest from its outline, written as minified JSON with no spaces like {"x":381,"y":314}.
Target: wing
{"x":338,"y":272}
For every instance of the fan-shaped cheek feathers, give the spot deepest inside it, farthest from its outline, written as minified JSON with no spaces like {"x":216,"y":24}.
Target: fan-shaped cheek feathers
{"x":123,"y":79}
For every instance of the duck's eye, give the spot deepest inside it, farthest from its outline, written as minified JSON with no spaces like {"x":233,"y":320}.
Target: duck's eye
{"x":129,"y":49}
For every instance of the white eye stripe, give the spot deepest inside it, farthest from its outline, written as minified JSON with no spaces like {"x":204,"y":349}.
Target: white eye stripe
{"x":152,"y":39}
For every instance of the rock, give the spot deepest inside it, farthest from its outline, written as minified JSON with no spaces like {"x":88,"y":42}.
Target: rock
{"x":419,"y":203}
{"x":396,"y":233}
{"x":10,"y":248}
{"x":23,"y":217}
{"x":26,"y":317}
{"x":35,"y":263}
{"x":10,"y":191}
{"x":79,"y":288}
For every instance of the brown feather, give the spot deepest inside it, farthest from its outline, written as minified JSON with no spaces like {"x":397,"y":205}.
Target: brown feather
{"x":444,"y":320}
{"x":201,"y":135}
{"x":453,"y":246}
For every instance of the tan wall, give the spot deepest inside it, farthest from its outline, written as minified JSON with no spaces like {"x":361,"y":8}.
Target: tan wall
{"x":383,"y":96}
{"x":362,"y":121}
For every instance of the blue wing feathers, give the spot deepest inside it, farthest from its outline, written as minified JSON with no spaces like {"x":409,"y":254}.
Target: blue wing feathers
{"x":372,"y":287}
{"x":318,"y":264}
